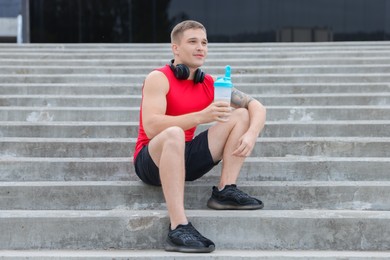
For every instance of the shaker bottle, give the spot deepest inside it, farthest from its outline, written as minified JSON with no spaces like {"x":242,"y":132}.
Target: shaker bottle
{"x":223,"y":87}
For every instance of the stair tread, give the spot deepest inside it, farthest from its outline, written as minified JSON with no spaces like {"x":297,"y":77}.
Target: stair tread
{"x":199,"y":213}
{"x":291,"y":158}
{"x":217,"y":254}
{"x":312,"y":183}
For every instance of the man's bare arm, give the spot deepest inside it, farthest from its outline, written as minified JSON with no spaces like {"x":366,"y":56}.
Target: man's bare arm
{"x":257,"y":112}
{"x":154,"y":106}
{"x":240,"y":99}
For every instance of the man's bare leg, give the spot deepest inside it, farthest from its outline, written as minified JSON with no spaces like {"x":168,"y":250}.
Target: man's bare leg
{"x":167,"y":151}
{"x":223,"y":140}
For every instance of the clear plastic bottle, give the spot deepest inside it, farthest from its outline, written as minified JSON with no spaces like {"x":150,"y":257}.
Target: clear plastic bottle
{"x":223,"y":87}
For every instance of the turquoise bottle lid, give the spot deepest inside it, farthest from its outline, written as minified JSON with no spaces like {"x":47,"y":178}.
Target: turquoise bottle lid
{"x":224,"y":82}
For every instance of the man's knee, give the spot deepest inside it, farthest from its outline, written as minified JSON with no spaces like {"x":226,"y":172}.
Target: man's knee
{"x":174,"y":136}
{"x":174,"y":132}
{"x":242,"y":115}
{"x":170,"y":141}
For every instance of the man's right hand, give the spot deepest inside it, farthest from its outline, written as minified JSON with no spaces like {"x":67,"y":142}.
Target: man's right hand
{"x":217,"y":111}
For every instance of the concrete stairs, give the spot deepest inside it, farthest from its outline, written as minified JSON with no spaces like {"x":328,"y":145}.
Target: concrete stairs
{"x":68,"y":125}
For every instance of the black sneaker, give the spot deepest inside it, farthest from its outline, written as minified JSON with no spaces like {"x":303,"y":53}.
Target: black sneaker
{"x":232,"y":198}
{"x":186,"y":239}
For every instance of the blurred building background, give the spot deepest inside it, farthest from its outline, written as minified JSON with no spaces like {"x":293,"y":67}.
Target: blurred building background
{"x":148,"y":21}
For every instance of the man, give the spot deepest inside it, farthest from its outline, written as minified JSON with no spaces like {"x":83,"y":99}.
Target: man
{"x":177,"y":98}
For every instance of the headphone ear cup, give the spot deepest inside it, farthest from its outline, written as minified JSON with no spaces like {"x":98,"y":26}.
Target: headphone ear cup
{"x":181,"y":71}
{"x":199,"y":76}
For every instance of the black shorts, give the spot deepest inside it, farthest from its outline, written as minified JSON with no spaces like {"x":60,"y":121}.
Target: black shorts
{"x":198,"y":161}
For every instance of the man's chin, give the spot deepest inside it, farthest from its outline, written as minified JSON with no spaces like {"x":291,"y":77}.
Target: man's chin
{"x":198,"y":63}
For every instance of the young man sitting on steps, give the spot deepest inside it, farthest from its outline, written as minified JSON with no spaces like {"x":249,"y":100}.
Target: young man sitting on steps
{"x":175,"y":100}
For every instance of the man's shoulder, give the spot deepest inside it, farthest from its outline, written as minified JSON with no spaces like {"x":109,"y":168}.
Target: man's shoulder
{"x":155,"y":82}
{"x":155,"y":74}
{"x":210,"y":78}
{"x":158,"y":73}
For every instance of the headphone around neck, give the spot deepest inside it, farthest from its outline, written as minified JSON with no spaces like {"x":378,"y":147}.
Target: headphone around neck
{"x":181,"y":71}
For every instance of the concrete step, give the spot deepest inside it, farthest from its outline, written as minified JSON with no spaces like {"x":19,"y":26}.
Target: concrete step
{"x":42,"y":126}
{"x":348,"y":128}
{"x":295,"y":61}
{"x":295,"y":45}
{"x":273,"y":46}
{"x":66,"y":169}
{"x":67,"y":147}
{"x":237,"y":78}
{"x":338,"y":99}
{"x":255,"y":230}
{"x":250,"y":83}
{"x":290,"y":168}
{"x":256,"y":46}
{"x":216,"y":255}
{"x":129,"y":114}
{"x":135,"y":195}
{"x":266,"y":147}
{"x":135,"y":88}
{"x":75,"y":114}
{"x":214,"y":70}
{"x":165,"y":53}
{"x":319,"y":113}
{"x":70,"y":100}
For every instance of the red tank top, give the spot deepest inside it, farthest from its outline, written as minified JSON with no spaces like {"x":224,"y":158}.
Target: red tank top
{"x":183,"y":97}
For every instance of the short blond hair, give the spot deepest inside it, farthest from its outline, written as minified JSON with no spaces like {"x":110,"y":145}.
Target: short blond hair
{"x":178,"y":30}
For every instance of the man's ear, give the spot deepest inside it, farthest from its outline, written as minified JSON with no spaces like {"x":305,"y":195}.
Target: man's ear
{"x":175,"y":49}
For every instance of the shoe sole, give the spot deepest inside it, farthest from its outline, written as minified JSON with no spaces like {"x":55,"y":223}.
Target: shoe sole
{"x":214,"y":204}
{"x":182,"y":249}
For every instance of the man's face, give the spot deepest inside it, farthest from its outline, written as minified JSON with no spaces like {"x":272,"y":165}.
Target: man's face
{"x":192,"y":48}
